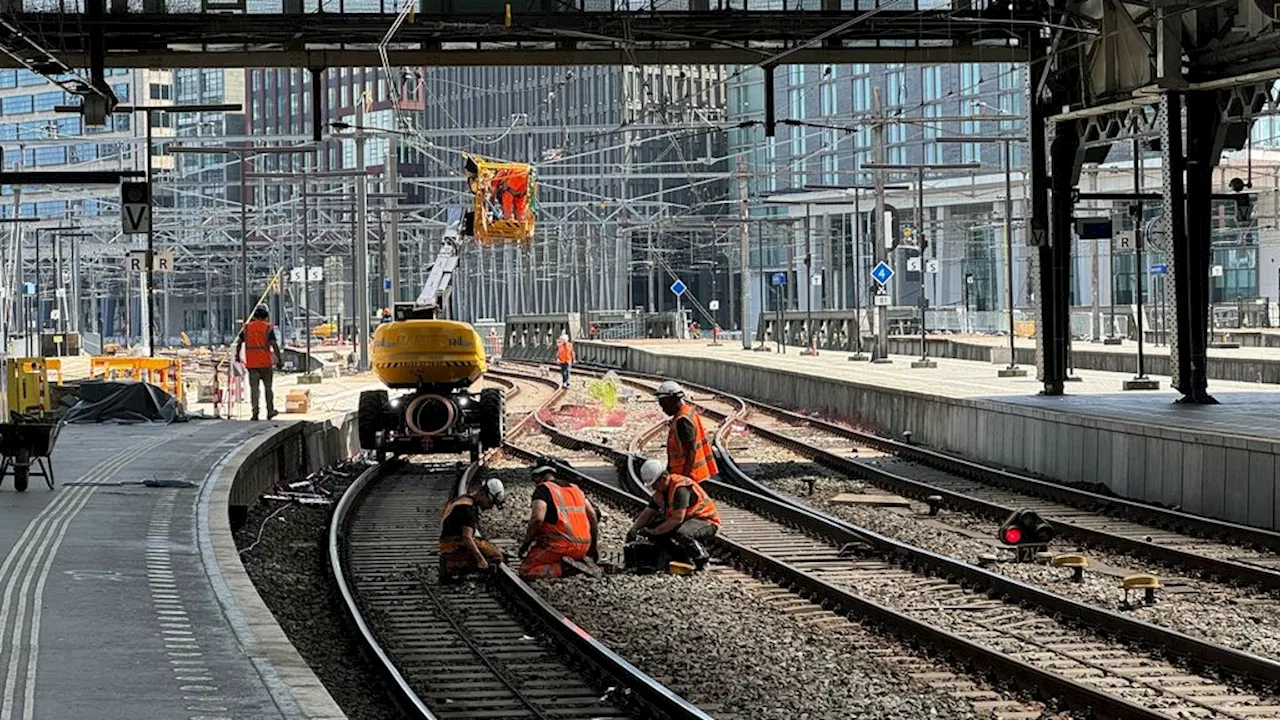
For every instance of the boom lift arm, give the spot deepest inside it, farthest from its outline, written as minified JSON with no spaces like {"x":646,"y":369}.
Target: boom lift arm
{"x":433,"y":300}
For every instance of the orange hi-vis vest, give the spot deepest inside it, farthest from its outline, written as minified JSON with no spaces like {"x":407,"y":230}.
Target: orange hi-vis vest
{"x":564,"y":352}
{"x":570,"y":535}
{"x":704,"y":462}
{"x":257,"y":349}
{"x":703,"y":507}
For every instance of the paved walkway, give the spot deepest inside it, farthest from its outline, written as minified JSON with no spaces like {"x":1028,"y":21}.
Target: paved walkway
{"x":1247,"y":408}
{"x":107,"y":611}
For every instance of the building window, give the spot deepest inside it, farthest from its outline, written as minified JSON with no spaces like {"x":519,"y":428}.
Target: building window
{"x":161,"y":92}
{"x":16,"y":105}
{"x":8,"y":79}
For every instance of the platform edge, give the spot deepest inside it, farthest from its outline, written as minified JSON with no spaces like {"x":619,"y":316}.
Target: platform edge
{"x":293,"y":686}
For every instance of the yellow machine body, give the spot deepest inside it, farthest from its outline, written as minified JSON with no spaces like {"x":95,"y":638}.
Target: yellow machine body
{"x":28,"y":386}
{"x":427,"y":353}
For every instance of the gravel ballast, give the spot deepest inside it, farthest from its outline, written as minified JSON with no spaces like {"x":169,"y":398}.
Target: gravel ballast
{"x":707,"y":639}
{"x":289,"y":567}
{"x":1239,"y":617}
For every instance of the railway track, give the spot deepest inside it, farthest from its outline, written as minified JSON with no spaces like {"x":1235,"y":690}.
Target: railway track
{"x":1228,"y":552}
{"x":1099,"y":662}
{"x":472,"y":649}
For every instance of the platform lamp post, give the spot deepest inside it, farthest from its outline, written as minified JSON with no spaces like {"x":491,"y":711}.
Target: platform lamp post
{"x":1007,"y":141}
{"x":242,"y":155}
{"x":857,"y":355}
{"x":919,"y":169}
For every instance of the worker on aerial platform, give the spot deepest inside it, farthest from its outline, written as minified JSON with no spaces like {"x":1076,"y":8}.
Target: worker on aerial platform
{"x":688,"y":450}
{"x":562,"y":527}
{"x":460,"y":549}
{"x":679,"y":517}
{"x":258,"y":340}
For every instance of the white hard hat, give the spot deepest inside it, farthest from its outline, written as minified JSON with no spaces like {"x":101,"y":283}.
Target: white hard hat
{"x":669,"y":387}
{"x":650,"y":471}
{"x":564,"y":337}
{"x":494,"y":487}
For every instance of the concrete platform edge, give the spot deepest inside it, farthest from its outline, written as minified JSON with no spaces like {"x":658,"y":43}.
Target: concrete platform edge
{"x":294,"y":687}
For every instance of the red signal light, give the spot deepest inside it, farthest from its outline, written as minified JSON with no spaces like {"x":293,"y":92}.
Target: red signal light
{"x":1012,"y":535}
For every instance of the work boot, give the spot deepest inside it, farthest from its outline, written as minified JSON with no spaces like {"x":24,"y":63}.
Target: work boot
{"x":271,"y":414}
{"x":698,"y":554}
{"x":254,"y":418}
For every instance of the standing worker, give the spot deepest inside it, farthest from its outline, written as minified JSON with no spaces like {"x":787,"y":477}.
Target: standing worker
{"x":562,"y":526}
{"x":258,"y":338}
{"x":564,"y":356}
{"x":679,"y":517}
{"x":460,"y":549}
{"x":688,"y":451}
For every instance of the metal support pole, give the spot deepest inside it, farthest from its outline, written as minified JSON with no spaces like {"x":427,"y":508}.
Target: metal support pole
{"x":808,"y":280}
{"x":880,"y":353}
{"x":392,"y":241}
{"x":149,"y":280}
{"x":1192,"y":259}
{"x":744,"y":252}
{"x":857,"y":273}
{"x":245,"y":294}
{"x":1012,"y":370}
{"x":361,"y":285}
{"x":924,"y":361}
{"x":306,"y":254}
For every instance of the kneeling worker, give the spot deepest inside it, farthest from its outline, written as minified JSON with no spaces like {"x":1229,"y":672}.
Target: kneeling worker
{"x":680,"y":514}
{"x":460,"y":549}
{"x":562,"y":525}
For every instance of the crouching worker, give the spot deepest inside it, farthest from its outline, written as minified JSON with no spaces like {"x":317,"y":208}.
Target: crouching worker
{"x":460,"y":550}
{"x":562,"y":527}
{"x":680,"y":515}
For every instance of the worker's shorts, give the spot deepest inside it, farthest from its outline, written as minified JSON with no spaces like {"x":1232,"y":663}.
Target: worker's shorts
{"x":543,"y":562}
{"x":455,"y":556}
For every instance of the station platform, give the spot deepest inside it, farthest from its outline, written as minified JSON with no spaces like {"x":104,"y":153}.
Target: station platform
{"x":119,"y":598}
{"x":1220,"y":461}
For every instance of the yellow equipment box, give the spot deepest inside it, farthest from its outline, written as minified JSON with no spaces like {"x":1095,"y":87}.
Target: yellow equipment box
{"x":414,"y":353}
{"x":28,"y":383}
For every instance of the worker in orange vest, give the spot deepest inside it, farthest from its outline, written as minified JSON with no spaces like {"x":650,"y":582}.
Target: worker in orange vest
{"x":258,"y":340}
{"x":564,"y":356}
{"x":679,"y":517}
{"x":460,"y":549}
{"x":688,"y":450}
{"x":562,"y":527}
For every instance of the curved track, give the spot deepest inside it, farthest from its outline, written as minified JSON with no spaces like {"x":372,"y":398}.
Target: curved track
{"x":1098,"y":661}
{"x":1230,"y":552}
{"x":471,"y":649}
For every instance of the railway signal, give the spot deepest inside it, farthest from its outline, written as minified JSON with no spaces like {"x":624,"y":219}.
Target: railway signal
{"x":1025,"y":531}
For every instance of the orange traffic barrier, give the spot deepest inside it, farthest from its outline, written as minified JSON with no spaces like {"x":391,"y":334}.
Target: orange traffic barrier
{"x":163,"y":373}
{"x":53,"y":366}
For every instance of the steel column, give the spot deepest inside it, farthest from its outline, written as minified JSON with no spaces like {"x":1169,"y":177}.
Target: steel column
{"x":1055,"y":257}
{"x":1191,"y":236}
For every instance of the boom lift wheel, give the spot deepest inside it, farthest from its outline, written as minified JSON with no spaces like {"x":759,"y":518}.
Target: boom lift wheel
{"x":371,"y":410}
{"x":493,"y":418}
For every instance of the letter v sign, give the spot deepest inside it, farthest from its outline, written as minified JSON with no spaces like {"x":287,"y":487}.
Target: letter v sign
{"x":137,"y":218}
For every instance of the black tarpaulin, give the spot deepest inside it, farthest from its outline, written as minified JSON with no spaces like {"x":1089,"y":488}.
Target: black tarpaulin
{"x":125,"y":402}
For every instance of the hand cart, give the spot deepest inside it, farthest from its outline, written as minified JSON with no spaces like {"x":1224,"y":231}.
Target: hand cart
{"x":22,"y":441}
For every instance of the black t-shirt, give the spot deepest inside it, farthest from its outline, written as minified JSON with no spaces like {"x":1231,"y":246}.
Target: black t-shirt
{"x":462,"y":516}
{"x":543,"y":493}
{"x":683,"y":500}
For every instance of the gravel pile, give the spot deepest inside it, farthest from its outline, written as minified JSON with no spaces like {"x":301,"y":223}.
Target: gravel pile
{"x":710,"y":641}
{"x":288,"y":565}
{"x":1238,"y":617}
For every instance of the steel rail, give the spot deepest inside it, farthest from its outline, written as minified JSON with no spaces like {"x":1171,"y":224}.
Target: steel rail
{"x":966,"y":652}
{"x":1121,"y":509}
{"x":756,"y":497}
